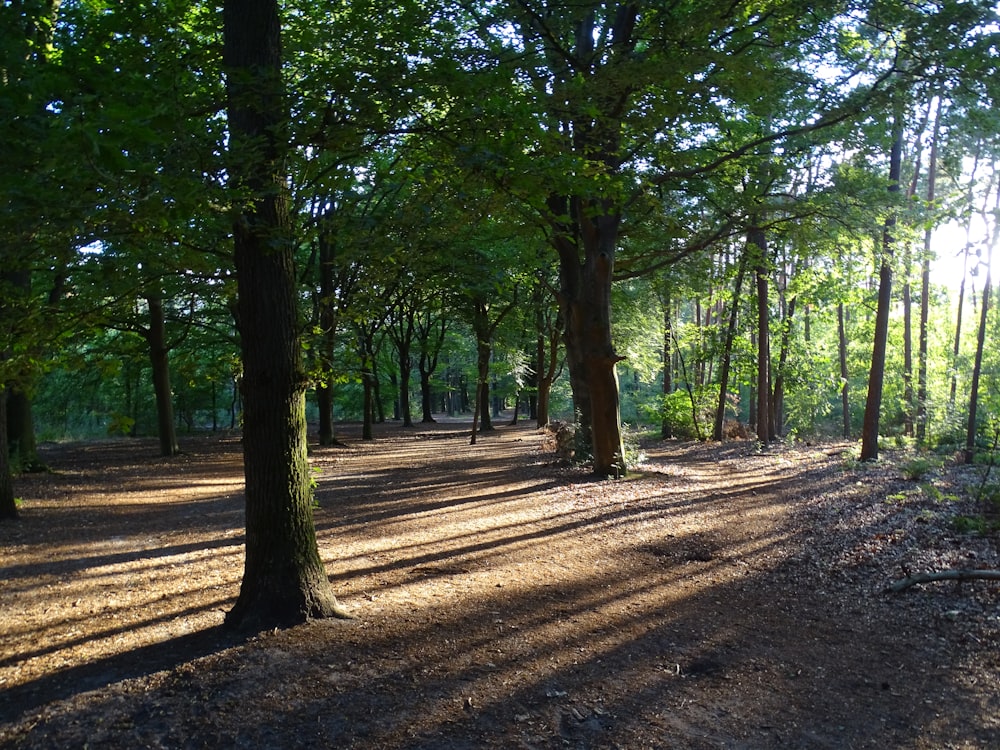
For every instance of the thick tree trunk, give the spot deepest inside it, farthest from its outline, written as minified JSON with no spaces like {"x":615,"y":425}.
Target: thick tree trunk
{"x":845,"y":406}
{"x":585,"y":296}
{"x":20,"y":424}
{"x":873,"y":404}
{"x":159,"y":360}
{"x":284,"y":580}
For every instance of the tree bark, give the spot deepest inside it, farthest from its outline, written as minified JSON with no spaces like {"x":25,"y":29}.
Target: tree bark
{"x":925,"y":284}
{"x":585,"y":297}
{"x":159,"y":360}
{"x":727,"y":351}
{"x":284,"y":580}
{"x":666,"y":426}
{"x":764,"y":432}
{"x":977,"y":368}
{"x":873,"y":404}
{"x":778,"y":396}
{"x":430,"y":337}
{"x":8,"y":507}
{"x":845,"y":405}
{"x":20,"y":425}
{"x":328,"y":332}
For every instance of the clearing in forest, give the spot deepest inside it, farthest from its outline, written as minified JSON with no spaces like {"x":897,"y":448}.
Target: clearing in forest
{"x":718,"y":597}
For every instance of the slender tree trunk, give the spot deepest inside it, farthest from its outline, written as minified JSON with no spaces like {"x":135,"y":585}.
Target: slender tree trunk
{"x":549,"y":331}
{"x":873,"y":404}
{"x":953,"y":391}
{"x":908,"y":399}
{"x":284,"y":580}
{"x":159,"y":360}
{"x":845,"y":405}
{"x":925,"y":284}
{"x":756,"y":238}
{"x":778,"y":398}
{"x":8,"y":507}
{"x":481,"y":327}
{"x":727,"y":350}
{"x":405,"y":366}
{"x":666,"y":426}
{"x":972,"y":427}
{"x":430,"y":337}
{"x":328,"y":327}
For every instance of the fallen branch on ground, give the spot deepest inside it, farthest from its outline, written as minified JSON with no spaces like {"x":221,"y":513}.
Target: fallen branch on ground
{"x":942,"y":575}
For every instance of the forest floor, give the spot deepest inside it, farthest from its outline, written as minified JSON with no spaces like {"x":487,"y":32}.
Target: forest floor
{"x":719,"y":597}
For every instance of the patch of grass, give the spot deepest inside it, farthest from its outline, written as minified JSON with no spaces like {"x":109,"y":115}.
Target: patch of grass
{"x":937,"y":495}
{"x":918,"y":467}
{"x":971,"y":524}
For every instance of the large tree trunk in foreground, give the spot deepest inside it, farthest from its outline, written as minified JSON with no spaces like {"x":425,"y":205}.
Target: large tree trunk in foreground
{"x":590,"y":353}
{"x":873,"y":405}
{"x":284,"y":580}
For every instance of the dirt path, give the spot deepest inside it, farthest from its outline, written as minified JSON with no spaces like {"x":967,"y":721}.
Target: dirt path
{"x":718,"y":598}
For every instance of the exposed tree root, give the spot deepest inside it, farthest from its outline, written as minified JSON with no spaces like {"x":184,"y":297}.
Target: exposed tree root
{"x":941,"y":575}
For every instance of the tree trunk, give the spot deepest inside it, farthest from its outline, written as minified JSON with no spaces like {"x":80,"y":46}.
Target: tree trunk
{"x":21,"y":431}
{"x":284,"y":580}
{"x":159,"y":360}
{"x":971,"y":428}
{"x":727,"y":351}
{"x":481,"y":328}
{"x":405,"y":366}
{"x":549,"y":330}
{"x":8,"y":507}
{"x":908,"y":399}
{"x":764,"y":432}
{"x":953,"y":390}
{"x":666,"y":426}
{"x":430,"y":337}
{"x":844,"y":380}
{"x":585,"y":297}
{"x":328,"y":328}
{"x":778,"y":397}
{"x":873,"y":404}
{"x":925,"y":285}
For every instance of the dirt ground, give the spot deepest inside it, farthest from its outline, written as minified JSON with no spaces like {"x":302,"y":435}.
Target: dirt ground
{"x":720,"y":597}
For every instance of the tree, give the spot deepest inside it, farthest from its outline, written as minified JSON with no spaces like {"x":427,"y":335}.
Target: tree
{"x":284,"y":580}
{"x":972,"y":426}
{"x":873,"y":404}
